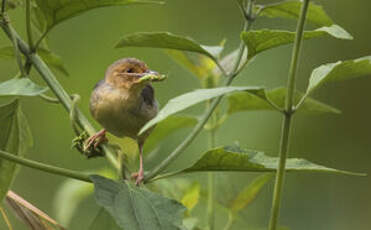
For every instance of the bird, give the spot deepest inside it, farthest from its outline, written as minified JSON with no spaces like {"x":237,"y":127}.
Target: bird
{"x":123,"y":102}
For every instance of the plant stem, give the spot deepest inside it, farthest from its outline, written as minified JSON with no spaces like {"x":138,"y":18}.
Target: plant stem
{"x":246,"y":26}
{"x":229,"y":222}
{"x":198,"y":128}
{"x":211,"y":178}
{"x":44,"y":167}
{"x":16,"y":53}
{"x":58,"y":90}
{"x":210,"y":200}
{"x":6,"y":219}
{"x":38,"y":42}
{"x":28,"y":24}
{"x":286,"y":123}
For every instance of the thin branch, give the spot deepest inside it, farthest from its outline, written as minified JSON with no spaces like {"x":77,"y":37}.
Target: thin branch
{"x":286,"y":123}
{"x":45,"y":167}
{"x":247,"y":25}
{"x":75,"y":99}
{"x":17,"y":53}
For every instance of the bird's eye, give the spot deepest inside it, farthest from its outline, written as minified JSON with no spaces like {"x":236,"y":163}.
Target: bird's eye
{"x":130,"y":70}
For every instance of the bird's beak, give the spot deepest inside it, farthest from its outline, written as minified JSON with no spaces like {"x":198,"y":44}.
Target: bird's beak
{"x":151,"y":72}
{"x":151,"y":76}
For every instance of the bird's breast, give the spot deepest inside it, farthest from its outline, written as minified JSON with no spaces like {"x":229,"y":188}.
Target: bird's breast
{"x":119,"y":112}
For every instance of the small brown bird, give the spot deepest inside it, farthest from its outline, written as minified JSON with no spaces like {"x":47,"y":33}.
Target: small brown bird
{"x":123,"y":102}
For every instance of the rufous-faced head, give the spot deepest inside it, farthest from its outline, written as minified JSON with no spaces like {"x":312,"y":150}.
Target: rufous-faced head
{"x":125,"y":73}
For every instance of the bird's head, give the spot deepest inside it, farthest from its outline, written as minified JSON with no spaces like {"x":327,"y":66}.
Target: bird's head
{"x":130,"y":73}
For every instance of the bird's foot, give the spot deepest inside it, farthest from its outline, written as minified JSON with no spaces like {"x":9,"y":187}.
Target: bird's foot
{"x":138,"y":177}
{"x":95,"y":140}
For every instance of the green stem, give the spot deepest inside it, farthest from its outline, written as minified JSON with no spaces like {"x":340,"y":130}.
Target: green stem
{"x":211,"y":178}
{"x":229,"y":222}
{"x":58,"y":90}
{"x":38,"y":42}
{"x":44,"y":167}
{"x":286,"y":123}
{"x":205,"y":117}
{"x":28,"y":24}
{"x":246,"y":26}
{"x":16,"y":53}
{"x":210,"y":200}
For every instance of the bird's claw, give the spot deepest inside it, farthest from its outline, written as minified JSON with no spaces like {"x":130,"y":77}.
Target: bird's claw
{"x":138,"y":177}
{"x":95,"y":140}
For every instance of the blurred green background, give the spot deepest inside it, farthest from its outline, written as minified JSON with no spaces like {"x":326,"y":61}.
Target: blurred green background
{"x":310,"y":202}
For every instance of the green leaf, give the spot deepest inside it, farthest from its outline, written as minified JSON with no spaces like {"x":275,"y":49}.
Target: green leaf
{"x":191,"y":196}
{"x":103,"y":220}
{"x":167,"y":127}
{"x":187,"y":100}
{"x":311,"y":106}
{"x":56,"y":11}
{"x":249,"y":193}
{"x":50,"y":58}
{"x":198,"y":65}
{"x":260,"y":40}
{"x":15,"y":138}
{"x":136,"y":208}
{"x":228,"y":61}
{"x":190,"y":223}
{"x":168,"y":41}
{"x":245,"y":101}
{"x":339,"y":71}
{"x":20,"y":87}
{"x":291,"y":10}
{"x":236,"y":159}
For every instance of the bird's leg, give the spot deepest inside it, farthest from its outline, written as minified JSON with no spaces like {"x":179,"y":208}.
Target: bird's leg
{"x":139,"y":176}
{"x":95,"y":140}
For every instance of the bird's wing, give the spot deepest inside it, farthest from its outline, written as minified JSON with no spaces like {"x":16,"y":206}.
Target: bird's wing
{"x":148,"y":95}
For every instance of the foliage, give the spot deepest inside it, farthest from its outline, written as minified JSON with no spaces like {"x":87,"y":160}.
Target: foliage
{"x":166,"y":204}
{"x":15,"y":137}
